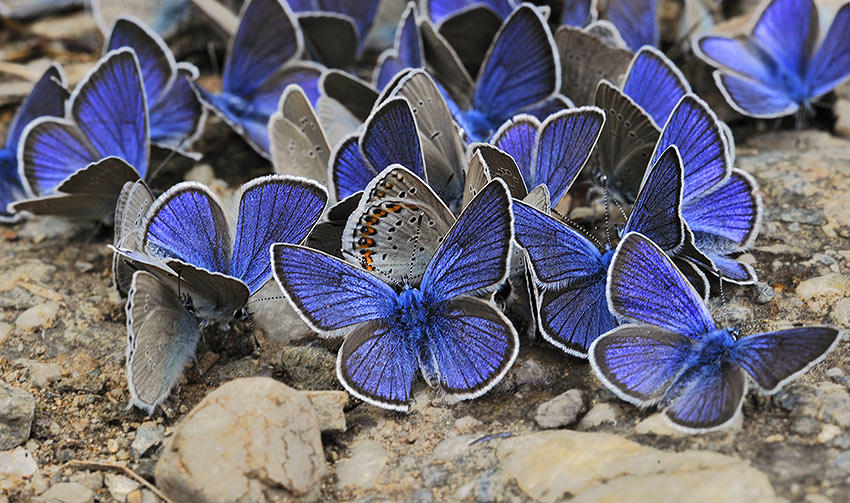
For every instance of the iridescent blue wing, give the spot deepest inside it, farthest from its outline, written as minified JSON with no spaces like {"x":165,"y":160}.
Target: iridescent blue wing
{"x":518,"y":138}
{"x":831,"y":63}
{"x":566,"y":141}
{"x":655,"y":83}
{"x":272,"y":209}
{"x":156,"y":62}
{"x":187,"y":223}
{"x":520,"y":69}
{"x":267,"y":38}
{"x":787,"y":31}
{"x":328,"y":293}
{"x":474,"y":256}
{"x":578,"y":13}
{"x":473,"y":345}
{"x":51,"y":150}
{"x":776,"y":358}
{"x":695,"y":131}
{"x":573,"y":314}
{"x":110,"y":109}
{"x":732,"y":211}
{"x":391,"y":137}
{"x":549,"y":106}
{"x":161,"y":339}
{"x":350,"y":171}
{"x":178,"y":116}
{"x":639,"y":362}
{"x":558,"y":253}
{"x":438,"y":10}
{"x":657,"y":213}
{"x":376,"y":366}
{"x":754,"y":99}
{"x":636,"y":20}
{"x":644,"y":285}
{"x":709,"y":400}
{"x":737,"y":56}
{"x":47,"y":99}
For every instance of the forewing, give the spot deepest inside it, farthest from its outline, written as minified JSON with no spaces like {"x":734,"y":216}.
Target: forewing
{"x":639,"y":362}
{"x":473,"y":345}
{"x":155,"y":60}
{"x":518,"y":138}
{"x":474,"y":255}
{"x":732,"y":211}
{"x":47,"y":98}
{"x":177,"y":118}
{"x":350,"y":172}
{"x":787,"y":30}
{"x":775,"y":358}
{"x":655,"y":83}
{"x":585,"y":61}
{"x":636,"y":20}
{"x":391,"y":138}
{"x":831,"y":63}
{"x":51,"y":150}
{"x":272,"y":209}
{"x":644,"y":285}
{"x":328,"y":293}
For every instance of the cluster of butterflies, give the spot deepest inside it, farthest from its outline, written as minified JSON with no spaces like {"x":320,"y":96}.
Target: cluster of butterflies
{"x":442,"y":232}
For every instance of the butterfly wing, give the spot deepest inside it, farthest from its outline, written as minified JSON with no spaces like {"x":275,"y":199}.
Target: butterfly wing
{"x":51,"y":150}
{"x":397,"y":226}
{"x":156,"y":62}
{"x":657,"y":213}
{"x":578,"y":13}
{"x":407,"y":51}
{"x":655,"y":83}
{"x":639,"y":362}
{"x":272,"y":209}
{"x":47,"y":98}
{"x":475,"y":253}
{"x":732,"y":211}
{"x":161,"y":339}
{"x":187,"y":223}
{"x":297,"y":141}
{"x":473,"y":345}
{"x":776,"y":358}
{"x":585,"y":61}
{"x":328,"y":293}
{"x":499,"y":164}
{"x":644,"y":285}
{"x":330,"y":38}
{"x":636,"y":20}
{"x":134,"y":200}
{"x":470,"y":31}
{"x":350,"y":172}
{"x":709,"y":400}
{"x":571,"y":316}
{"x":518,"y":138}
{"x":787,"y":31}
{"x":177,"y":117}
{"x":110,"y":109}
{"x":626,"y":143}
{"x":831,"y":63}
{"x":520,"y":69}
{"x":391,"y":137}
{"x":754,"y":99}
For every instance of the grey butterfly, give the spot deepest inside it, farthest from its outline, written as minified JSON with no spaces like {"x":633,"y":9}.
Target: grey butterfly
{"x":585,"y":61}
{"x":133,"y":203}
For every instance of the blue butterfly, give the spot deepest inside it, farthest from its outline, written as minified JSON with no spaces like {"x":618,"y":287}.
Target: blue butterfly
{"x":47,"y":99}
{"x":554,"y":152}
{"x":259,"y":65}
{"x":204,"y":269}
{"x":521,"y":73}
{"x":577,"y":13}
{"x":407,"y":52}
{"x":76,"y":166}
{"x":655,"y":84}
{"x":779,"y":67}
{"x":165,"y":17}
{"x":175,"y":114}
{"x":720,"y":204}
{"x":335,"y":30}
{"x":677,"y":358}
{"x":636,"y":20}
{"x":441,"y":326}
{"x":570,"y":270}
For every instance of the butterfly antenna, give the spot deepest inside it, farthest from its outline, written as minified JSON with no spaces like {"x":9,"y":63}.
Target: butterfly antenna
{"x":264,"y":299}
{"x":415,"y":249}
{"x":620,"y":208}
{"x":213,"y":59}
{"x":165,"y":161}
{"x":607,"y":212}
{"x":580,"y":228}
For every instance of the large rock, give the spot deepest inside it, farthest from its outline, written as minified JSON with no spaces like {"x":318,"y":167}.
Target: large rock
{"x":17,"y":408}
{"x":251,"y":440}
{"x":593,"y":467}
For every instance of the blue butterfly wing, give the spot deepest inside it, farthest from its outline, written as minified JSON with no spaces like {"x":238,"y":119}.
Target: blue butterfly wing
{"x":391,"y":138}
{"x":110,"y":109}
{"x":518,"y":138}
{"x":521,"y":67}
{"x":728,"y":268}
{"x":53,"y":150}
{"x":573,"y":315}
{"x":578,"y":13}
{"x":644,"y":285}
{"x":409,"y":42}
{"x":388,"y":67}
{"x":710,"y":399}
{"x":178,"y":115}
{"x":738,"y":56}
{"x":438,"y":10}
{"x":655,"y":83}
{"x":350,"y":171}
{"x":831,"y":63}
{"x":267,"y":38}
{"x":636,"y":20}
{"x":47,"y":99}
{"x":329,"y":293}
{"x":657,"y":213}
{"x":639,"y":362}
{"x":732,"y":211}
{"x":187,"y":223}
{"x":698,"y":135}
{"x":155,"y":60}
{"x":566,"y":140}
{"x":474,"y":255}
{"x":473,"y":345}
{"x":549,"y":106}
{"x":376,"y":366}
{"x":273,"y":209}
{"x":558,"y":253}
{"x":786,"y":31}
{"x":754,"y":99}
{"x":265,"y":97}
{"x":775,"y":358}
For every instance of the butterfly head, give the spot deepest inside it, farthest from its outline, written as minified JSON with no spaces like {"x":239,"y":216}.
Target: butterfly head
{"x":715,"y":346}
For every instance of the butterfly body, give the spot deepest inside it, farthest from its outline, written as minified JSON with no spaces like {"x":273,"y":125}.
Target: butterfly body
{"x":706,"y":356}
{"x":476,"y":123}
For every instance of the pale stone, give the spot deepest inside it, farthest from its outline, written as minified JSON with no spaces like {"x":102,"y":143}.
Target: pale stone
{"x":840,"y":314}
{"x":595,"y":467}
{"x":599,"y":414}
{"x":66,"y":492}
{"x":563,"y":410}
{"x":656,"y":424}
{"x":364,"y":467}
{"x":329,"y":409}
{"x":120,"y":486}
{"x":842,"y":117}
{"x":37,"y":317}
{"x":17,"y":408}
{"x":16,"y":465}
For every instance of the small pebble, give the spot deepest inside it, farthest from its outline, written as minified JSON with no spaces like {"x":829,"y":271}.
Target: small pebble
{"x":764,"y":293}
{"x":563,"y":410}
